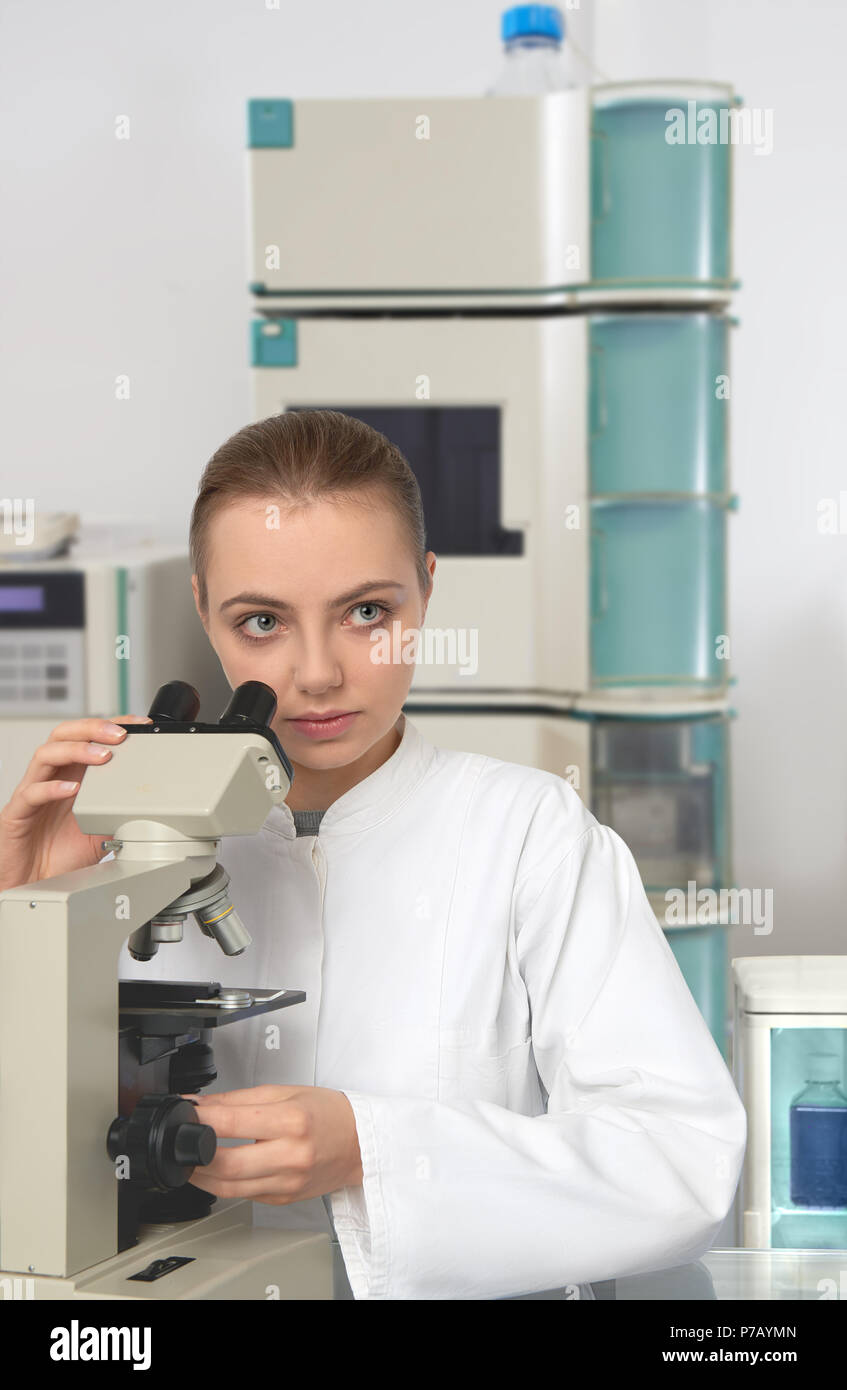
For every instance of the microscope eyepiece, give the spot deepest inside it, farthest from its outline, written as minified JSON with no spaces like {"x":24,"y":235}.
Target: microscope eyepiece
{"x":252,"y":703}
{"x":176,"y":702}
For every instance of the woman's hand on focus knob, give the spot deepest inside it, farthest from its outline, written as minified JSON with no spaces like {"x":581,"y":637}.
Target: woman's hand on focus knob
{"x":306,"y":1143}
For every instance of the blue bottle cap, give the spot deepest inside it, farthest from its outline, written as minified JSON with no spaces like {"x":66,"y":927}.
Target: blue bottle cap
{"x":524,"y":20}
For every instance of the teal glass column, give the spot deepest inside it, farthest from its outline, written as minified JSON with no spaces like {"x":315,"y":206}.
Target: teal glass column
{"x":660,"y":206}
{"x":658,"y":403}
{"x":658,"y":593}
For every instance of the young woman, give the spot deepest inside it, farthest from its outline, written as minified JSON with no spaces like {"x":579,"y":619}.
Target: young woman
{"x":499,"y":1082}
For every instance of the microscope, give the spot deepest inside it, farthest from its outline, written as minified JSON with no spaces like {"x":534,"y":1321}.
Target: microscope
{"x":97,"y":1145}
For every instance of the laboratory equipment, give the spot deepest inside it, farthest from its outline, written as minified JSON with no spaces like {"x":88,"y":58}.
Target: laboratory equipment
{"x":96,"y":1143}
{"x":789,"y":1055}
{"x":661,"y":189}
{"x":662,"y":782}
{"x":659,"y":388}
{"x":517,"y":293}
{"x":634,"y":535}
{"x":565,"y":198}
{"x":93,"y":616}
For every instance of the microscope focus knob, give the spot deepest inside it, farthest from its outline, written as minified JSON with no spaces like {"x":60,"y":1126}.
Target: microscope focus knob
{"x":194,"y":1144}
{"x":163,"y":1142}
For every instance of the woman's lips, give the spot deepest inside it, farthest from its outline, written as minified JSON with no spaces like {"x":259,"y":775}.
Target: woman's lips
{"x":323,"y":728}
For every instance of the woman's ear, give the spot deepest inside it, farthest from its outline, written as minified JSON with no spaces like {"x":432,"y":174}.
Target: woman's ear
{"x":196,"y":591}
{"x":430,"y":564}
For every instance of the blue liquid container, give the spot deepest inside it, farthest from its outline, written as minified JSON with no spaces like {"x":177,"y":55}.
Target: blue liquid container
{"x":818,"y":1128}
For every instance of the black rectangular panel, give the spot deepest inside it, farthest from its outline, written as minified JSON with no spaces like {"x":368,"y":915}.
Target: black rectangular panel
{"x":455,"y":454}
{"x":41,"y":599}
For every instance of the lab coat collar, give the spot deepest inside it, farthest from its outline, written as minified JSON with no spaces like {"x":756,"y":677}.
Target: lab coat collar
{"x":374,"y":798}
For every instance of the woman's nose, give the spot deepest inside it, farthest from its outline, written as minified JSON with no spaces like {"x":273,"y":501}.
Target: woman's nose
{"x":315,"y":663}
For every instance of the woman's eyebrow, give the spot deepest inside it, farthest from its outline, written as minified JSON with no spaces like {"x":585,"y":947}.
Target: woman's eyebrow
{"x":268,"y":602}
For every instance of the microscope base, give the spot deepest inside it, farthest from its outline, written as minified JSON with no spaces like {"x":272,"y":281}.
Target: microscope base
{"x":226,"y":1258}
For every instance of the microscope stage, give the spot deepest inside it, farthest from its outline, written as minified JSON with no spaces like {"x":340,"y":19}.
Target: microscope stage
{"x":166,"y":1007}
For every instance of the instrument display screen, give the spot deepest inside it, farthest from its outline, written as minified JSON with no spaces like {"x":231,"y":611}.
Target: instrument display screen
{"x":21,"y":598}
{"x":42,"y":599}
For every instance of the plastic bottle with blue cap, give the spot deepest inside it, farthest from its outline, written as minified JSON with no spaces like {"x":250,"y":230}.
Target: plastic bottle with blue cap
{"x":535,"y":61}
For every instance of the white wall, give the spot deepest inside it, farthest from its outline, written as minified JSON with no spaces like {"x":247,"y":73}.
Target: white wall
{"x":129,"y":257}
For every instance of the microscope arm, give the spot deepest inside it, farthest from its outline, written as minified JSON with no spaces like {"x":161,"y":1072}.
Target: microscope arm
{"x":60,"y":940}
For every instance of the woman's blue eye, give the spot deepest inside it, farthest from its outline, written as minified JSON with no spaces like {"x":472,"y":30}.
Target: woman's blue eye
{"x":245,"y":636}
{"x":367,"y":605}
{"x":258,"y":617}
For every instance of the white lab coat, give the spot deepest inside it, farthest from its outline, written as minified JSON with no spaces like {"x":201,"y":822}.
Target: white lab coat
{"x":538,"y":1100}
